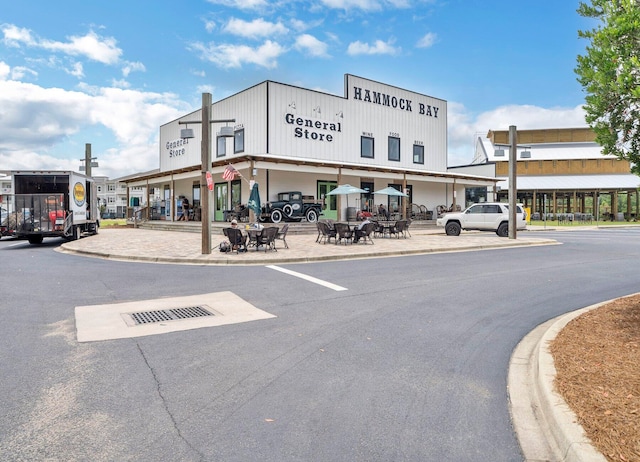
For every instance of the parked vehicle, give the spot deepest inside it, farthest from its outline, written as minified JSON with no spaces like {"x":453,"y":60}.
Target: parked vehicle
{"x":53,"y":204}
{"x":292,"y":206}
{"x":5,"y":228}
{"x":488,"y":216}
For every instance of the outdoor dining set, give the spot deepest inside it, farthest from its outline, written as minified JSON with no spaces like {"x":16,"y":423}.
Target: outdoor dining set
{"x":345,"y":233}
{"x":263,"y":238}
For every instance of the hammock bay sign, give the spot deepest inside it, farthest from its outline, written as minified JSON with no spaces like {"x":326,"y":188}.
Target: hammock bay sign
{"x":384,"y":99}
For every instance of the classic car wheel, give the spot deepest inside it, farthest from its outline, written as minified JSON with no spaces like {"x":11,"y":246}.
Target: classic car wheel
{"x":288,"y":210}
{"x":452,"y":229}
{"x":276,"y":216}
{"x":312,"y":216}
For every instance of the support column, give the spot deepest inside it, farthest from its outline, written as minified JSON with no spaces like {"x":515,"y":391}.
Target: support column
{"x":405,"y":200}
{"x":338,"y":201}
{"x":534,"y":204}
{"x":172,"y":198}
{"x":148,"y":214}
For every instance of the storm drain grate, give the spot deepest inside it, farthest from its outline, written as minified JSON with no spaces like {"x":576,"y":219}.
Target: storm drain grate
{"x":174,"y":314}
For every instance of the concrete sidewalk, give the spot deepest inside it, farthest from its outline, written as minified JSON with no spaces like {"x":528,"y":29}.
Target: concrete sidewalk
{"x":186,"y":248}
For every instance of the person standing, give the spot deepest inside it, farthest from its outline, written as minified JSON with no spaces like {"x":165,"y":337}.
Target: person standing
{"x":185,"y":210}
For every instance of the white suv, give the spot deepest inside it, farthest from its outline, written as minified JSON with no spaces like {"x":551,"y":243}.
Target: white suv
{"x":487,"y":216}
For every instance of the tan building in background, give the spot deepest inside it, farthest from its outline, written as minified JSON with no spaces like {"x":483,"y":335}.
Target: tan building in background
{"x":559,"y":171}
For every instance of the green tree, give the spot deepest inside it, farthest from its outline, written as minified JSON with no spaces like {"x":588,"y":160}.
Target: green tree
{"x":610,"y":75}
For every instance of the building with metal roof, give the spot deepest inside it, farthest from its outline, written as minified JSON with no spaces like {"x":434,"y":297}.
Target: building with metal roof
{"x":559,"y":171}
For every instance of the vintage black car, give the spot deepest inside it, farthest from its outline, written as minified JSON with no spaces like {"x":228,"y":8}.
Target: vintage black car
{"x":292,"y":206}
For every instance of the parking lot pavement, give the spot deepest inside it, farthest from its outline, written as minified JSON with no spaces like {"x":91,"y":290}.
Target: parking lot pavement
{"x":183,"y":247}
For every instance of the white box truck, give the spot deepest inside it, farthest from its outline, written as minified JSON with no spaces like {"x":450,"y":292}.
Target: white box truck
{"x":53,"y":204}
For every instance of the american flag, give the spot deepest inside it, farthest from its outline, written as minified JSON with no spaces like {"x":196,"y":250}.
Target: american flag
{"x":229,"y":173}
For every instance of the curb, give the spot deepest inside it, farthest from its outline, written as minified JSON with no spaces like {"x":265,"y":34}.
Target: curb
{"x":545,"y":426}
{"x":64,"y":248}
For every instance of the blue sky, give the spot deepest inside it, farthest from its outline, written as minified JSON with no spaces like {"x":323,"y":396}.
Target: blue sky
{"x":111,"y":72}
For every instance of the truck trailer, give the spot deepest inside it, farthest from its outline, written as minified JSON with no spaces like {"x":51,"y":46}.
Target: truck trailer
{"x":53,"y":204}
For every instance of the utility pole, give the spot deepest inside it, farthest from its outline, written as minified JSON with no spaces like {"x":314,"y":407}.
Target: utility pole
{"x":205,"y":154}
{"x":513,"y":141}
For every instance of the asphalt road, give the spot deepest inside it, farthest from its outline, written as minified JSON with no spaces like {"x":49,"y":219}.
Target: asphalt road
{"x":408,"y":364}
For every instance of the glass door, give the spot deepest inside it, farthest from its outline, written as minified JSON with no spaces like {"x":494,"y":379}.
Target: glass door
{"x":329,"y":203}
{"x":221,"y":199}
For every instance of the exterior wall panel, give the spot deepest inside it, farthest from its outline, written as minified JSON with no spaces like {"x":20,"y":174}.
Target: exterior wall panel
{"x":319,"y":126}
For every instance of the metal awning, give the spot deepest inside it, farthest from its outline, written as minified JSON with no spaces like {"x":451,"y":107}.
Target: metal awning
{"x":624,"y":182}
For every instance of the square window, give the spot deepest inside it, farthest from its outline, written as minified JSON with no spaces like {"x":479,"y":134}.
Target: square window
{"x":366,"y":147}
{"x":238,"y":141}
{"x":418,"y":154}
{"x":394,"y":149}
{"x":221,"y":150}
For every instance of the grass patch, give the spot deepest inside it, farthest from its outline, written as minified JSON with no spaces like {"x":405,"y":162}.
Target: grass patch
{"x":109,"y":222}
{"x":580,"y":223}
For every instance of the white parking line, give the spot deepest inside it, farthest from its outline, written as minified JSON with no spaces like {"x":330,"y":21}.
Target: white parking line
{"x":308,"y":278}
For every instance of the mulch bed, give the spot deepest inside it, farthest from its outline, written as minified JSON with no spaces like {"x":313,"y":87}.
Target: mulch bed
{"x":597,"y":358}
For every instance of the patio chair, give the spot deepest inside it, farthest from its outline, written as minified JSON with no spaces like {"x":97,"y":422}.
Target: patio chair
{"x":236,"y":239}
{"x":426,"y":213}
{"x":416,"y":213}
{"x":268,"y":238}
{"x":343,"y":232}
{"x":365,"y":233}
{"x":282,"y":235}
{"x":378,"y":229}
{"x":326,"y":233}
{"x":400,"y":228}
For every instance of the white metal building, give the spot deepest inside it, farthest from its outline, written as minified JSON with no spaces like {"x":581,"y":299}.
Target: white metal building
{"x":288,"y":138}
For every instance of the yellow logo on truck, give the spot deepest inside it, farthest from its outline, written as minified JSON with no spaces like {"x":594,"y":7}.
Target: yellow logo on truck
{"x":78,"y":194}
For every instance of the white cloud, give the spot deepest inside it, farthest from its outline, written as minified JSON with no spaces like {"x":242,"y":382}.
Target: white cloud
{"x":14,"y":36}
{"x":35,"y":120}
{"x":205,"y":89}
{"x":310,"y":45}
{"x":91,"y":45}
{"x":121,"y":83}
{"x":242,"y":4}
{"x":427,"y":40}
{"x":130,"y":67}
{"x":77,"y":70}
{"x":378,"y":48}
{"x":462,"y":128}
{"x":299,"y":25}
{"x":210,"y":26}
{"x":20,"y":72}
{"x":366,"y":5}
{"x":94,"y":47}
{"x":229,"y":56}
{"x":255,"y":29}
{"x":5,"y":70}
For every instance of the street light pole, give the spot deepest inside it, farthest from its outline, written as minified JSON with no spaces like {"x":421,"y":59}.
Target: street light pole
{"x":513,"y":141}
{"x":205,"y":155}
{"x":205,"y":164}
